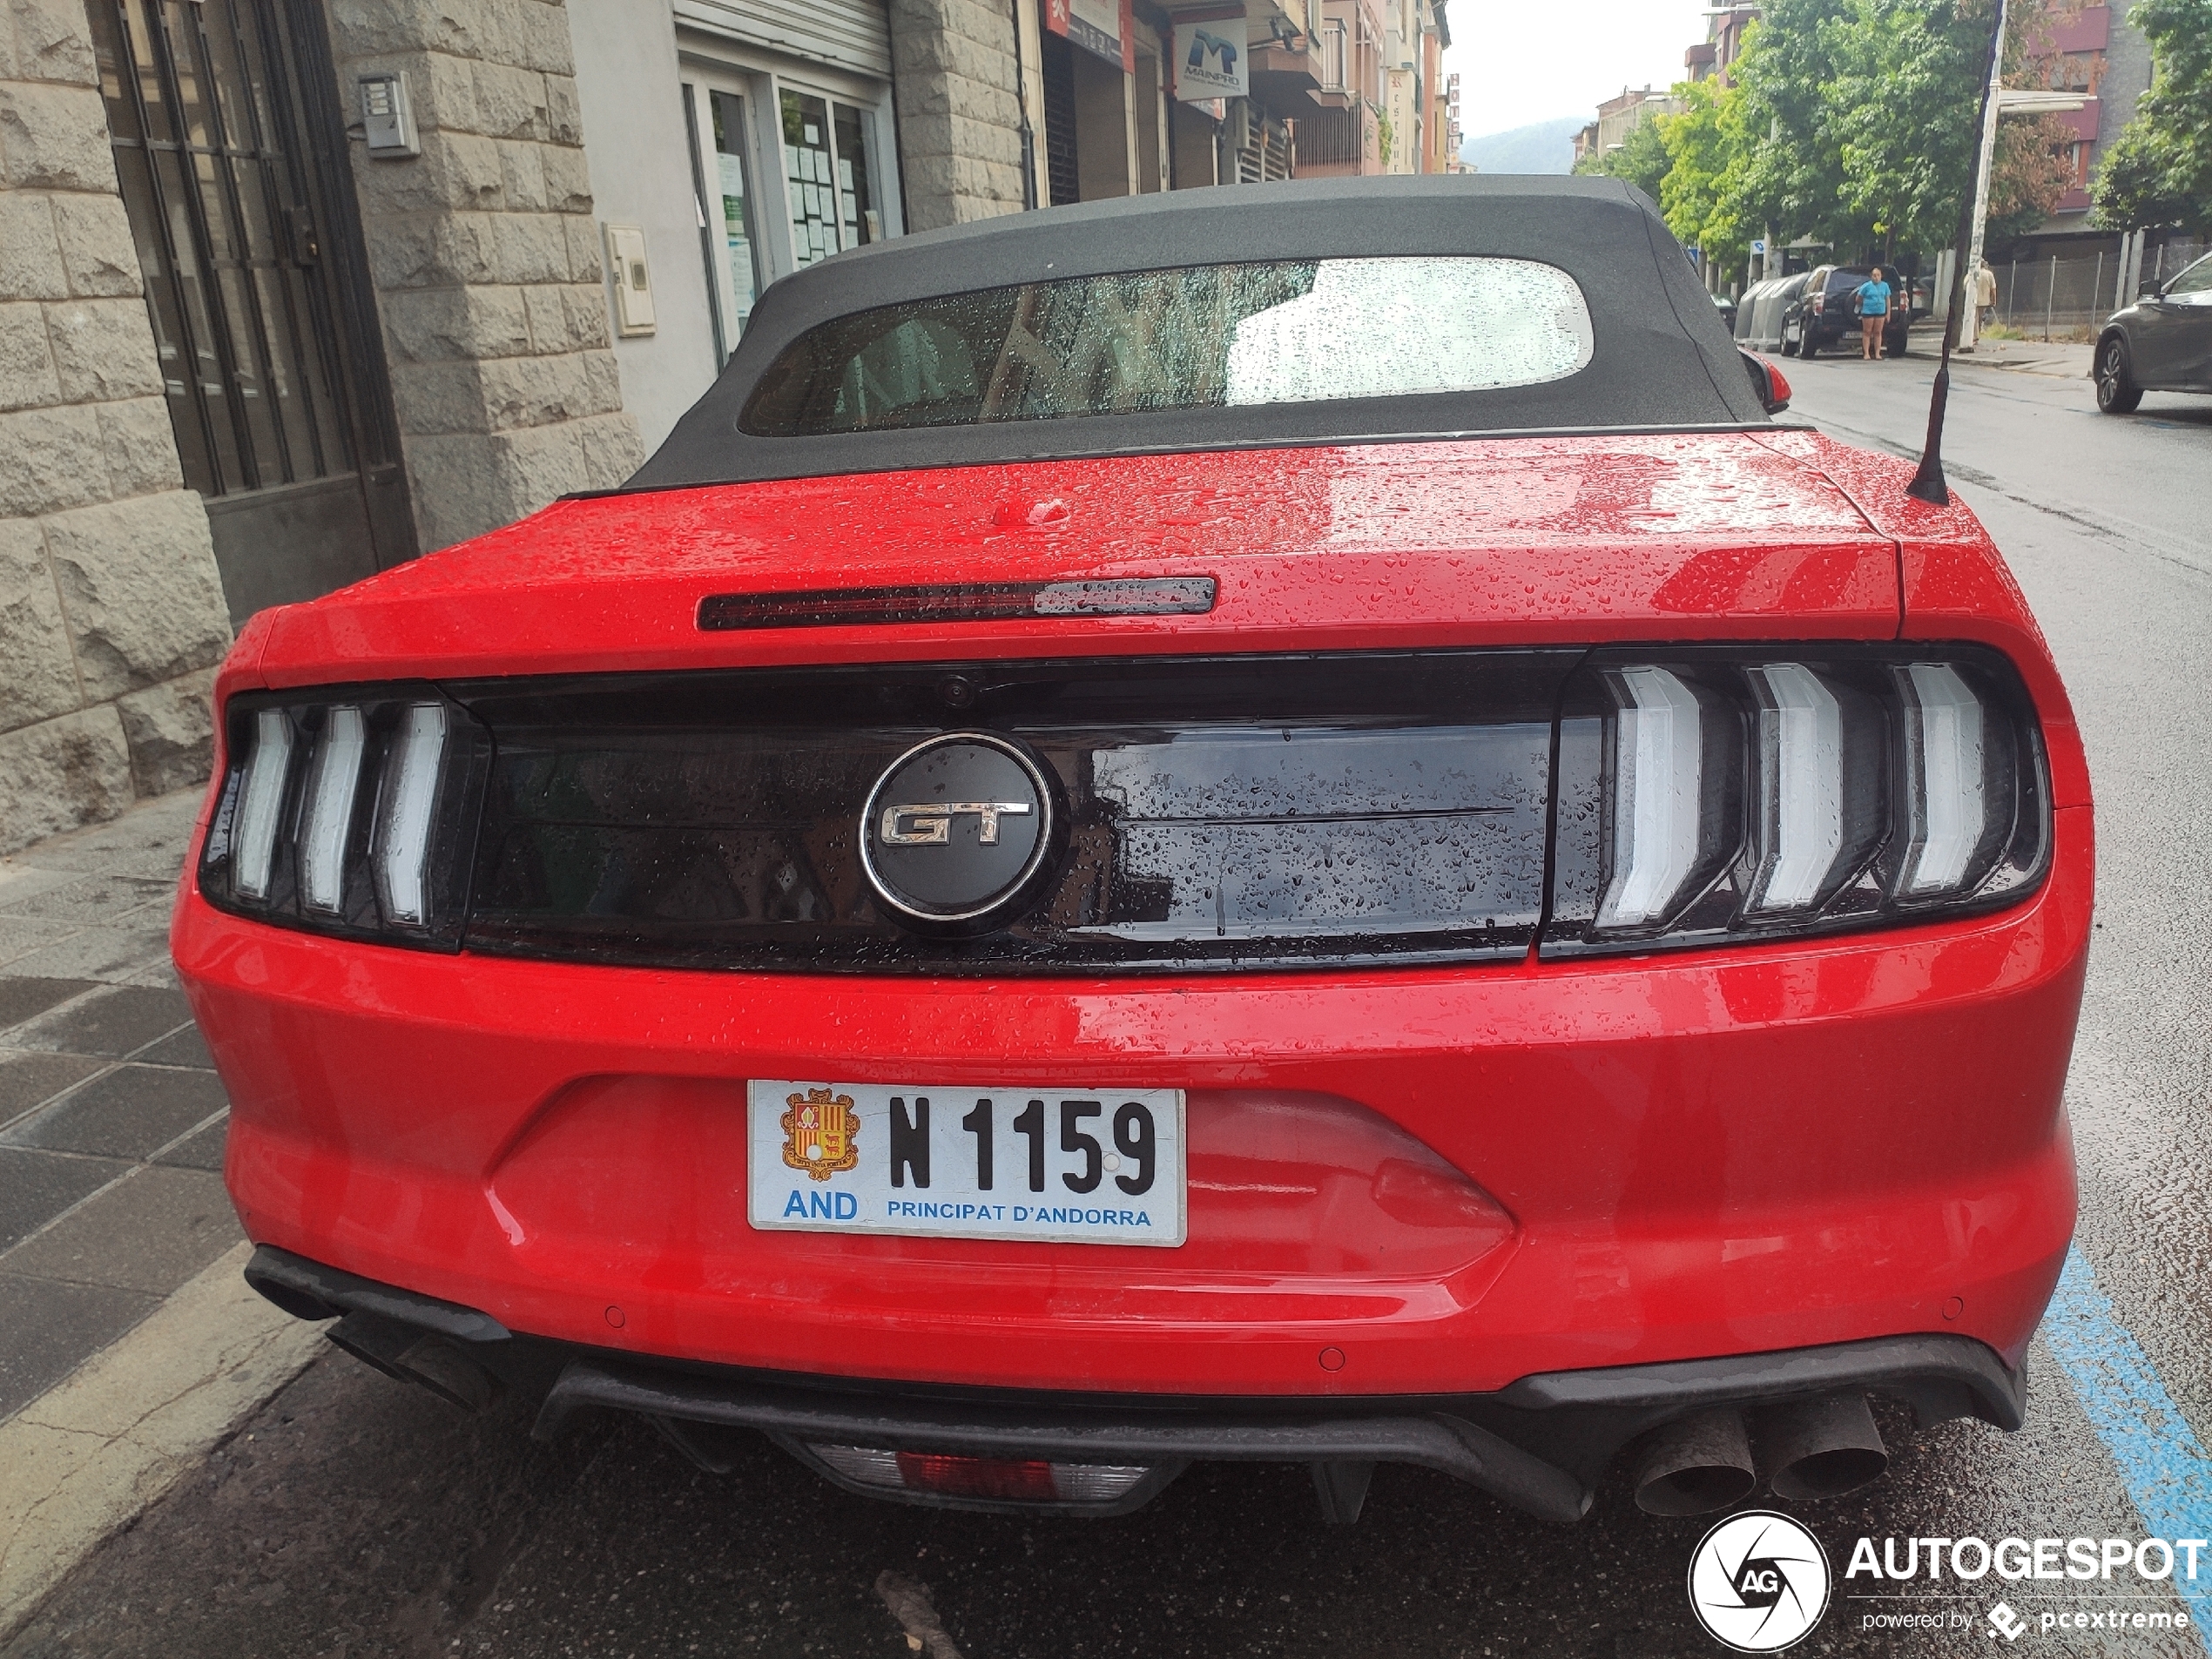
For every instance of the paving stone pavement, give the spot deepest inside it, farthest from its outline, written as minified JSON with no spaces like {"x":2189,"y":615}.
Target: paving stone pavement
{"x":111,"y":1117}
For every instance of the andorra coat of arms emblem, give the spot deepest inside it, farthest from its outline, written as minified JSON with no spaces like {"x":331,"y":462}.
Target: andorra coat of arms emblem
{"x":821,"y":1133}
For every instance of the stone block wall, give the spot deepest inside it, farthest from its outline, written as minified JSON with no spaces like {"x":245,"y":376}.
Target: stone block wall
{"x":960,"y":113}
{"x":485,"y":258}
{"x":112,"y":612}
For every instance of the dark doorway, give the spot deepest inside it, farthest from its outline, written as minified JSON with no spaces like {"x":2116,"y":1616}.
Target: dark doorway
{"x":1061,"y":186}
{"x":230,"y":150}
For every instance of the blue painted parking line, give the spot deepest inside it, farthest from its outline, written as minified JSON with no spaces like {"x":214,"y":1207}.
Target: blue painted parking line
{"x":2168,"y":1473}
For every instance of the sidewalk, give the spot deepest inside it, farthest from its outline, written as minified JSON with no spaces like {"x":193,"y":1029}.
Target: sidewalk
{"x":118,"y":1242}
{"x":2064,"y":360}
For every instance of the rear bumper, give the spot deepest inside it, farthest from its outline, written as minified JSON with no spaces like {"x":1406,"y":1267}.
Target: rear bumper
{"x":1541,"y":1445}
{"x":1698,"y":1156}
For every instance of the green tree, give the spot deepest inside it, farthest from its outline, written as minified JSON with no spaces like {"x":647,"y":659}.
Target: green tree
{"x":1789,"y":173}
{"x":1709,"y":148}
{"x":2160,"y":170}
{"x":1859,"y":116}
{"x":1640,"y":159}
{"x":1900,"y":114}
{"x":1852,"y":124}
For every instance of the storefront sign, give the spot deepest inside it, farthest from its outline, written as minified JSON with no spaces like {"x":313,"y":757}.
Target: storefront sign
{"x":1105,"y":27}
{"x":1210,"y":61}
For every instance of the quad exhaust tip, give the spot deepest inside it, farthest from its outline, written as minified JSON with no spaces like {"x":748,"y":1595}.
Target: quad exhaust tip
{"x":1820,"y":1448}
{"x":1809,"y":1449}
{"x":418,"y":1357}
{"x":1696,"y":1465}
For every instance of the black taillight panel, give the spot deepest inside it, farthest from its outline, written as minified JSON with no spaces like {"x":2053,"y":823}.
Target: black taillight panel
{"x":1253,"y":811}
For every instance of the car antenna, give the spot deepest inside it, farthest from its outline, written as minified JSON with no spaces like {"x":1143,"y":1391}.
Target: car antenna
{"x":1928,"y":483}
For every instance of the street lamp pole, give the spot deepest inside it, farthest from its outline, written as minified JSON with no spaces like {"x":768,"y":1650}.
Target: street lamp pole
{"x":1970,"y":325}
{"x":1928,"y":482}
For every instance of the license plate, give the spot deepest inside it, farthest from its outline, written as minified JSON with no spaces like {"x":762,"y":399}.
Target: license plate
{"x":1066,"y":1166}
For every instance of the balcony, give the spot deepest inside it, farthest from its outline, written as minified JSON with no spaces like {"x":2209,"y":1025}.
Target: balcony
{"x":1339,"y":144}
{"x":1334,"y":89}
{"x":1286,"y":72}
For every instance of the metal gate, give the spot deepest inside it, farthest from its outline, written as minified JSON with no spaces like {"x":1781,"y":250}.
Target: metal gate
{"x":1061,"y":176}
{"x":231,"y":154}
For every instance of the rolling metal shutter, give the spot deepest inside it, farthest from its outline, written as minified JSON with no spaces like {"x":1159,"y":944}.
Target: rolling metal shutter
{"x":853,"y":35}
{"x":1061,"y":177}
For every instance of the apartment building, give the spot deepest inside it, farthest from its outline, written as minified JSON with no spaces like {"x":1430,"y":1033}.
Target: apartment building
{"x":1618,"y":117}
{"x":1713,"y":56}
{"x":2091,"y":50}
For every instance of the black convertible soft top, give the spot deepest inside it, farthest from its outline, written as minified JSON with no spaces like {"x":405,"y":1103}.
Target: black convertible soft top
{"x":1662,"y":359}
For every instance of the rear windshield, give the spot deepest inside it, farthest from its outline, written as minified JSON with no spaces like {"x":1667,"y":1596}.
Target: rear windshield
{"x":1193,"y":337}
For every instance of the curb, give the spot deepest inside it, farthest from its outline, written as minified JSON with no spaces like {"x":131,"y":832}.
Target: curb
{"x":89,"y":1455}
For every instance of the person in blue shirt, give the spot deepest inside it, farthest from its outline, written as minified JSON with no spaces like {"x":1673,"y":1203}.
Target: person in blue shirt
{"x":1873,"y":297}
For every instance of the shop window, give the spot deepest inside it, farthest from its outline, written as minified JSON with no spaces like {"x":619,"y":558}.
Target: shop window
{"x":810,"y":176}
{"x":732,"y":240}
{"x":830,"y":176}
{"x":858,"y":218}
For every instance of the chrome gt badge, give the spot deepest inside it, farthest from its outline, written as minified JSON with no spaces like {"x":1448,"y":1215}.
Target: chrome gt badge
{"x":925,"y":825}
{"x":957,"y":829}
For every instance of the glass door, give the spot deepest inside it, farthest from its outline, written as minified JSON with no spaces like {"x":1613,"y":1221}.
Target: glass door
{"x":809,"y":177}
{"x":733,"y":243}
{"x":218,"y":207}
{"x":858,"y":216}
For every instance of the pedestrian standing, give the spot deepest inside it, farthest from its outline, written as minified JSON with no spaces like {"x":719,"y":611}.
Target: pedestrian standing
{"x":1984,"y":297}
{"x":1873,"y":297}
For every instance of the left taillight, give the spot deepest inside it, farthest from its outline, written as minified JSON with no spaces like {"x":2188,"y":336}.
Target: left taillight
{"x":349,"y":813}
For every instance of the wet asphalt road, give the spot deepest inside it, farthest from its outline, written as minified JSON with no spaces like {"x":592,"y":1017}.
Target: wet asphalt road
{"x":354,"y":1517}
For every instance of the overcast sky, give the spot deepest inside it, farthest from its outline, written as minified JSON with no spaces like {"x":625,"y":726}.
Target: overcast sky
{"x":1521,"y":62}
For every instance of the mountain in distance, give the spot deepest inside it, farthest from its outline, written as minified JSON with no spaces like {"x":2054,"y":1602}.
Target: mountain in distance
{"x":1543,"y":146}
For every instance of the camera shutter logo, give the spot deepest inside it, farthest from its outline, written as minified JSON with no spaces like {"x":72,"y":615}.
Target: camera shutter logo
{"x":1759,"y":1581}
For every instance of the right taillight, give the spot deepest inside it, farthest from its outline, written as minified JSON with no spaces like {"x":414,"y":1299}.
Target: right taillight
{"x":1710,"y":796}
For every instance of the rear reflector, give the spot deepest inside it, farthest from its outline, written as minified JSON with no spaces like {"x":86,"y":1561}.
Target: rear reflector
{"x":994,"y":1479}
{"x":976,"y":1477}
{"x":970,"y":602}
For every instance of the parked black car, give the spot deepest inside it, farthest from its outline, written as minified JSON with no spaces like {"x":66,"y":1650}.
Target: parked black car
{"x":2161,"y":343}
{"x":1824,"y":314}
{"x":1726,"y":307}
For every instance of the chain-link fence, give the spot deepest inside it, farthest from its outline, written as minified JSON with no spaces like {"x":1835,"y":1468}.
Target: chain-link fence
{"x":2066,"y":297}
{"x":2159,"y":263}
{"x":2056,"y":298}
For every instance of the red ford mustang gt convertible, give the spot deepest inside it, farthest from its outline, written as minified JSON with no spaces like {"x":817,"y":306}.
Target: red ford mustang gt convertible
{"x":1269,"y":824}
